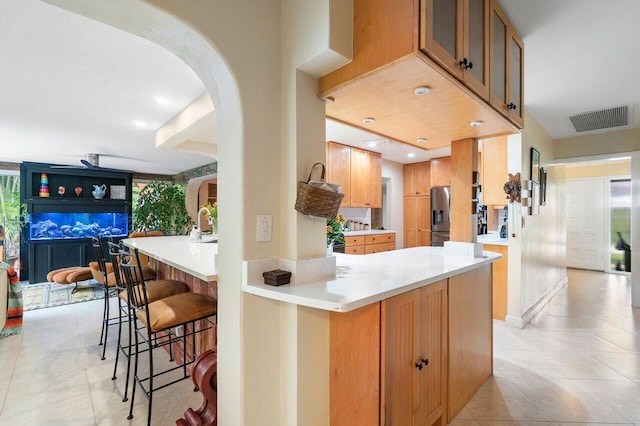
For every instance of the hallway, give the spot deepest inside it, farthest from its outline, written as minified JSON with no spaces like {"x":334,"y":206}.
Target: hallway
{"x":577,"y":361}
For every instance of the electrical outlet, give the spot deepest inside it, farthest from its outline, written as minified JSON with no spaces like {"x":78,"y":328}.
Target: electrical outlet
{"x":263,"y":228}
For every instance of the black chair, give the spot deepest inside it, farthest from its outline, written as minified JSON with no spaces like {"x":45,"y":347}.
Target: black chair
{"x":156,"y":289}
{"x":184,"y":311}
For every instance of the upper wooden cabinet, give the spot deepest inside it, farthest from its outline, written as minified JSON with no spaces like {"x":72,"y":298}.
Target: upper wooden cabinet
{"x":441,"y":171}
{"x":358,"y":172}
{"x":507,"y":66}
{"x":494,"y":170}
{"x":397,"y":50}
{"x":417,"y":179}
{"x":339,"y":168}
{"x":455,"y":33}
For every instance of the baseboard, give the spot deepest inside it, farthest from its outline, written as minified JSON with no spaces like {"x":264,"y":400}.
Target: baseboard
{"x":521,"y":322}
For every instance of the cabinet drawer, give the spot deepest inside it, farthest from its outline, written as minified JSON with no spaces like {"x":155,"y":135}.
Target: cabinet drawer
{"x":354,"y":240}
{"x":354,"y":249}
{"x":379,"y":248}
{"x":379,"y":238}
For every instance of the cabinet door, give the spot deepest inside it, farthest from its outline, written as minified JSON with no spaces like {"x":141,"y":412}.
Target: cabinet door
{"x":433,"y":325}
{"x":359,"y":177}
{"x":498,"y":25}
{"x":515,"y":56}
{"x":409,"y":179}
{"x":494,"y":157}
{"x":441,"y":33}
{"x":374,"y":188}
{"x":339,"y":169}
{"x":424,"y":221}
{"x":411,"y":221}
{"x":399,"y":357}
{"x":476,"y":46}
{"x":441,"y":171}
{"x":423,"y":178}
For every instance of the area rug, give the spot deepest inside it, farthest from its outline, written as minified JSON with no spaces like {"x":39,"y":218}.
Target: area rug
{"x":38,"y":296}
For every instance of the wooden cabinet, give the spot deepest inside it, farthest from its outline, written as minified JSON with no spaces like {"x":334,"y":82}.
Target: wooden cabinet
{"x":455,"y":33}
{"x":367,"y":244}
{"x":470,"y":338}
{"x":417,"y":223}
{"x":413,"y":357}
{"x":406,"y":44}
{"x":500,"y":276}
{"x":417,"y":178}
{"x":366,"y":178}
{"x":441,"y":171}
{"x":358,"y":172}
{"x":494,"y":170}
{"x":339,"y":169}
{"x":507,"y":66}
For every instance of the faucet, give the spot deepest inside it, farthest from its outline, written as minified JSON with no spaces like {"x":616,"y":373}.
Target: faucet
{"x":199,"y":213}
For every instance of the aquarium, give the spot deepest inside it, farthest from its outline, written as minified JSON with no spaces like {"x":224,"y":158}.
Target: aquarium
{"x":64,"y":226}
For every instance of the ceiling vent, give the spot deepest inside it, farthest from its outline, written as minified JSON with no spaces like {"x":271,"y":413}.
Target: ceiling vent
{"x":601,"y":119}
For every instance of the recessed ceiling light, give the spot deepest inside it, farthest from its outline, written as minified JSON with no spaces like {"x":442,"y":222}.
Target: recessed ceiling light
{"x":619,"y":158}
{"x":372,"y":144}
{"x":422,"y":90}
{"x":411,"y":155}
{"x":368,"y":120}
{"x":161,"y":100}
{"x":421,"y":140}
{"x":138,"y":123}
{"x":475,"y":123}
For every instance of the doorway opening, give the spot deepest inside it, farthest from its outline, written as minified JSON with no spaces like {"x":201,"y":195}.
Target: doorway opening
{"x":619,"y":226}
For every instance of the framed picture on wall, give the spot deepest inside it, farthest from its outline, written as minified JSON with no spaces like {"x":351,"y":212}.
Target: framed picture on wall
{"x":535,"y":165}
{"x":543,"y":186}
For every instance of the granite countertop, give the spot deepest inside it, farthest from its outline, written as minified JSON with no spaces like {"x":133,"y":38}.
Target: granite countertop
{"x":197,"y":259}
{"x":368,"y":232}
{"x":365,"y":279}
{"x":493,"y":238}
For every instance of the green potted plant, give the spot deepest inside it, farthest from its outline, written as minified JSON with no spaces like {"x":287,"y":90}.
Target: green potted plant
{"x":161,"y":205}
{"x":335,"y":231}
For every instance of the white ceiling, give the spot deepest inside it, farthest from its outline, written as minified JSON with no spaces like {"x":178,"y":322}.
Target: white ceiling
{"x":72,"y":86}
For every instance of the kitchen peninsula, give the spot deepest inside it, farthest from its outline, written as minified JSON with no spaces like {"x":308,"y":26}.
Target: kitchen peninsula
{"x":194,"y":263}
{"x":410,"y":332}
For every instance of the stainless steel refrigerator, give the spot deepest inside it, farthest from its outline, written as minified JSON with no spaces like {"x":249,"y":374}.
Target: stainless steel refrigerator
{"x":440,"y":217}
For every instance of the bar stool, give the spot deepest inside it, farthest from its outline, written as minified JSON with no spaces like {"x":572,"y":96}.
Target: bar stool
{"x":155,"y":289}
{"x":162,"y":316}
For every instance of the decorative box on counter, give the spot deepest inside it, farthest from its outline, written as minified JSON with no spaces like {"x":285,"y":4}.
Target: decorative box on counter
{"x":277,"y":277}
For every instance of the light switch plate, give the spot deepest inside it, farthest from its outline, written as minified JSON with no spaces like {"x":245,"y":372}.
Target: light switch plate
{"x":263,"y":228}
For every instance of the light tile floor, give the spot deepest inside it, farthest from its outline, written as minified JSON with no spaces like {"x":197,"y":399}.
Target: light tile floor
{"x":51,"y":374}
{"x":577,"y":362}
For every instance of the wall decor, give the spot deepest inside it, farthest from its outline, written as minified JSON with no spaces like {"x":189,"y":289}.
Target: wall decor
{"x":535,"y":165}
{"x":118,"y":192}
{"x":543,"y":186}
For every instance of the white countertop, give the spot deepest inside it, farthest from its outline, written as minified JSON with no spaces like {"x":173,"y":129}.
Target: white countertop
{"x":197,"y":259}
{"x":493,"y":238}
{"x":368,"y":232}
{"x":364,"y":279}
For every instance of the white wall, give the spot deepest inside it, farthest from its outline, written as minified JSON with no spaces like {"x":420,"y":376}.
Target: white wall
{"x":395,"y":202}
{"x":542,"y":238}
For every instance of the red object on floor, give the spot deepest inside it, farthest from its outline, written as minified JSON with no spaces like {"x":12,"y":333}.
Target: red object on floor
{"x":205,"y":376}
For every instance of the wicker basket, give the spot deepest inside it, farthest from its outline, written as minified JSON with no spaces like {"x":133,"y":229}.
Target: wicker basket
{"x":316,"y":201}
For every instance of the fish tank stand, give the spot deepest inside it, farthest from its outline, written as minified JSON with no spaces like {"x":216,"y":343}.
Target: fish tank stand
{"x":66,"y":206}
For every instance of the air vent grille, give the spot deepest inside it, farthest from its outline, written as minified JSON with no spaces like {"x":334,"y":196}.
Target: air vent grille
{"x":602,"y":119}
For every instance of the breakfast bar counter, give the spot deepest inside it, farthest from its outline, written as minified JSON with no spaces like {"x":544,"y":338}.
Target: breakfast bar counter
{"x":195,"y":258}
{"x":178,"y":258}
